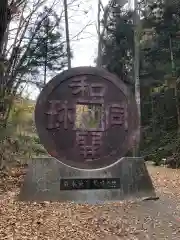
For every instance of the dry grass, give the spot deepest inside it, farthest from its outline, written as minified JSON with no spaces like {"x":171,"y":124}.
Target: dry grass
{"x":57,"y":221}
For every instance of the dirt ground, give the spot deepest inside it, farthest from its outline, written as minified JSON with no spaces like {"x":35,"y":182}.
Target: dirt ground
{"x":124,"y":220}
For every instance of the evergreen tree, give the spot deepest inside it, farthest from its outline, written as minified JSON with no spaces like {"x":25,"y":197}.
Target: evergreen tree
{"x":47,"y":50}
{"x":163,"y":56}
{"x":159,"y":67}
{"x":165,"y":22}
{"x":117,"y":43}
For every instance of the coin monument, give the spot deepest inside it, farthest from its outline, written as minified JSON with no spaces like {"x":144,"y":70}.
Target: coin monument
{"x":87,"y":120}
{"x":95,"y":145}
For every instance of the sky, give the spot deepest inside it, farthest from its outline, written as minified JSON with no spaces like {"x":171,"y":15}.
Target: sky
{"x":81,"y":14}
{"x":85,"y":50}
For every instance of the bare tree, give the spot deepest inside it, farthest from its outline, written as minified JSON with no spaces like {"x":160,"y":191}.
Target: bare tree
{"x":17,"y":37}
{"x":7,"y":12}
{"x":10,"y":47}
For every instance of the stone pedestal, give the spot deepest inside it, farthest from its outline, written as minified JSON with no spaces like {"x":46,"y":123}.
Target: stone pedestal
{"x":42,"y":182}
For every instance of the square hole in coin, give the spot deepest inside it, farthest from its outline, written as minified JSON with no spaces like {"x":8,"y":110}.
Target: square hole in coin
{"x":88,"y":116}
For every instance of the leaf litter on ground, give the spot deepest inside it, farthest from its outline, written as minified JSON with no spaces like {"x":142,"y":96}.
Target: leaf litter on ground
{"x":70,"y":221}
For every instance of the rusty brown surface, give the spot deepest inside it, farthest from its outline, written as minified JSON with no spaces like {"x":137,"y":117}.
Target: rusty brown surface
{"x":89,"y":148}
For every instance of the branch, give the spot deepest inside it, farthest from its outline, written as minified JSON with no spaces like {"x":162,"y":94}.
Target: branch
{"x":87,"y":25}
{"x":18,"y":64}
{"x":26,"y":22}
{"x":102,"y":6}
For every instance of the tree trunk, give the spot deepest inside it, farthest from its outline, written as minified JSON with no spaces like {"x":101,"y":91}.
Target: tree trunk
{"x":67,"y":34}
{"x":177,"y":107}
{"x":46,"y":50}
{"x":3,"y":26}
{"x":3,"y":21}
{"x":175,"y":86}
{"x":136,"y":70}
{"x":99,"y":34}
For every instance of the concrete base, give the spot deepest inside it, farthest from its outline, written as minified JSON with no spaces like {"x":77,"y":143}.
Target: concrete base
{"x":42,"y":182}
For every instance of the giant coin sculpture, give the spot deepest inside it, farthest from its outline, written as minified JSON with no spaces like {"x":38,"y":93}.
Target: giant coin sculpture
{"x":101,"y":136}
